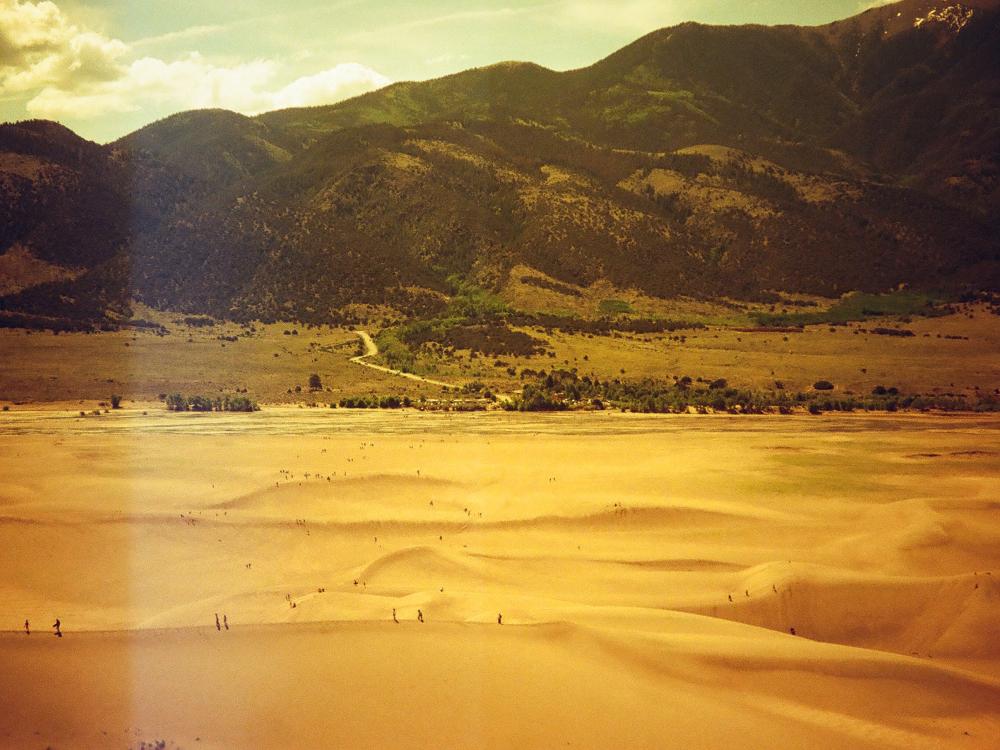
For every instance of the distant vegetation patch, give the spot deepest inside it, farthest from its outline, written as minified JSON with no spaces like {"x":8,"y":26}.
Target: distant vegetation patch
{"x":859,"y":306}
{"x":179,"y":402}
{"x":473,"y":319}
{"x":614,"y":307}
{"x":763,"y":183}
{"x":901,"y":332}
{"x":394,"y":352}
{"x":489,"y":338}
{"x":375,"y":402}
{"x":47,"y":323}
{"x":141,"y":323}
{"x":602,"y":326}
{"x":561,"y":390}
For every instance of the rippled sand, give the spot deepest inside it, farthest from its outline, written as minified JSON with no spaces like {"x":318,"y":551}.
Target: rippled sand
{"x":649,"y":572}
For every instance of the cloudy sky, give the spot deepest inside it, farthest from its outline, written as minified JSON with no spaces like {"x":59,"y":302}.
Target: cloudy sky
{"x":106,"y":67}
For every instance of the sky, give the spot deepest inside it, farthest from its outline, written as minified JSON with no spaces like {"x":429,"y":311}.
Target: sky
{"x":107,"y":67}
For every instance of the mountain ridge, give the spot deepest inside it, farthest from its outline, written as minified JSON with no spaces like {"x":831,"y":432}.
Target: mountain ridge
{"x":697,"y":160}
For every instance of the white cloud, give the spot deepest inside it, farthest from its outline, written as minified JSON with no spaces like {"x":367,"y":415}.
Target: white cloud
{"x":39,"y":46}
{"x":194,"y":83}
{"x":68,"y":72}
{"x":191,"y":32}
{"x":339,"y":82}
{"x":28,"y":28}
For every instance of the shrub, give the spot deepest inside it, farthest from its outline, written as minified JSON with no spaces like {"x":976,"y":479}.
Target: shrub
{"x":116,"y":401}
{"x":473,"y":303}
{"x":239,"y":403}
{"x":178,"y":402}
{"x":394,"y":352}
{"x":535,"y":399}
{"x":614,"y":306}
{"x":858,"y":306}
{"x":823,"y":385}
{"x":375,"y":402}
{"x":315,"y":383}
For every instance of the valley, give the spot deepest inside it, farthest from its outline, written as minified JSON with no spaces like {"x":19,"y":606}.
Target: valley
{"x":649,"y":403}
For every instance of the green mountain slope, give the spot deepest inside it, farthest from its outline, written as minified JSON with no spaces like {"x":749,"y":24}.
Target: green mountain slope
{"x":697,"y":160}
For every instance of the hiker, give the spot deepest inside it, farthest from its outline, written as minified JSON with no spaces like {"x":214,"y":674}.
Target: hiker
{"x":58,"y":626}
{"x":225,"y":621}
{"x":792,"y":631}
{"x":218,"y":626}
{"x":27,"y":628}
{"x":420,"y":616}
{"x":500,"y":618}
{"x":394,"y":616}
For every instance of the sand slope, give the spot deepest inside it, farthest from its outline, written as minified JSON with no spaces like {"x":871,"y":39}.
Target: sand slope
{"x":649,"y":572}
{"x":362,"y":684}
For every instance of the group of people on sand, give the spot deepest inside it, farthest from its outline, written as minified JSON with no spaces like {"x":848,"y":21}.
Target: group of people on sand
{"x":224,"y":623}
{"x":420,"y":616}
{"x":395,"y":618}
{"x":56,"y":628}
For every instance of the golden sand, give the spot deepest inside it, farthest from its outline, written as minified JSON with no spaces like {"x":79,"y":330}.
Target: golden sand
{"x":648,"y":570}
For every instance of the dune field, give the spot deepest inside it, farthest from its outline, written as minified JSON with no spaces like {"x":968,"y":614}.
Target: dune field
{"x":584,"y":580}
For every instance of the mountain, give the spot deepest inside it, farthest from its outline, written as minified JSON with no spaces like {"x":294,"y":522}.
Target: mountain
{"x":698,"y":160}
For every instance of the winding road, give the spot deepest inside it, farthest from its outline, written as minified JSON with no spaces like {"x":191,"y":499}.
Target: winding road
{"x":371,"y":350}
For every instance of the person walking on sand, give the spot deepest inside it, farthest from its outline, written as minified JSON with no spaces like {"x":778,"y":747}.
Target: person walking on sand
{"x":218,"y":625}
{"x":58,"y":626}
{"x":27,"y":628}
{"x":394,"y":616}
{"x":225,"y":621}
{"x":420,"y":616}
{"x":499,"y":618}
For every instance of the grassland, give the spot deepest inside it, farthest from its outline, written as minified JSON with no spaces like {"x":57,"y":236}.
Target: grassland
{"x":268,"y":364}
{"x":957,"y":353}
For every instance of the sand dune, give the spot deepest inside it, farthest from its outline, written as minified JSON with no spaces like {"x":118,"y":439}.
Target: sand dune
{"x":454,"y":685}
{"x":908,"y":615}
{"x":648,"y":581}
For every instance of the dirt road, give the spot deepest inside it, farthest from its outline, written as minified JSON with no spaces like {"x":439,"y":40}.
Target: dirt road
{"x":371,"y":350}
